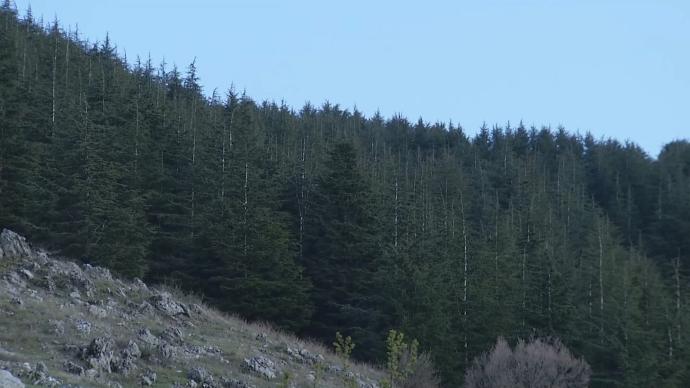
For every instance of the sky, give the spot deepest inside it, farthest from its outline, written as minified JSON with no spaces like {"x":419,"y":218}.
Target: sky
{"x":618,"y":69}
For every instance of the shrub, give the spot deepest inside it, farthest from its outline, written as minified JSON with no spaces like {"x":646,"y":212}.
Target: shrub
{"x":539,"y":363}
{"x":406,"y":367}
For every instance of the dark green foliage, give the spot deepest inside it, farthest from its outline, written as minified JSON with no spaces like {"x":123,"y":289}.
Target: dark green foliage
{"x":341,"y":254}
{"x":324,"y":220}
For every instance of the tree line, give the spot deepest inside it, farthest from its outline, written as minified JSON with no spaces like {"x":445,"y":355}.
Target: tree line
{"x":322,"y":220}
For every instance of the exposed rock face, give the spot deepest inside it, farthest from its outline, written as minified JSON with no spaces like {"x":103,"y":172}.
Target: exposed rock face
{"x":99,"y":353}
{"x":303,"y":355}
{"x":165,"y":303}
{"x":97,"y":330}
{"x":73,"y":368}
{"x":173,"y":335}
{"x":262,"y":366}
{"x":200,"y":375}
{"x":7,"y":380}
{"x":13,"y":246}
{"x":147,"y":337}
{"x":82,"y":326}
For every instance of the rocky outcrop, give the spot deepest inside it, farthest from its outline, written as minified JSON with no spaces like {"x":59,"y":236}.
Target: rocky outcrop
{"x":13,"y":246}
{"x":7,"y":380}
{"x":97,"y":330}
{"x":165,"y":303}
{"x":99,"y":354}
{"x":201,"y":376}
{"x":262,"y":366}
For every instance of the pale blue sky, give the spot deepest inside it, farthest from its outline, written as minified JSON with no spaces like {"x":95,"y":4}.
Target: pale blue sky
{"x":615,"y":68}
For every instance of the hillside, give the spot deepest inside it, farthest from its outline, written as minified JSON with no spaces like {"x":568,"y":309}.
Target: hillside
{"x":322,"y":220}
{"x":63,"y":323}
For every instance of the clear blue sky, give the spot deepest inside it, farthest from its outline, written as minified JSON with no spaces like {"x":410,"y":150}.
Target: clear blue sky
{"x":615,"y":68}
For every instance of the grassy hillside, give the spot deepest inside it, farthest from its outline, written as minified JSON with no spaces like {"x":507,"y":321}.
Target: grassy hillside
{"x":68,"y":324}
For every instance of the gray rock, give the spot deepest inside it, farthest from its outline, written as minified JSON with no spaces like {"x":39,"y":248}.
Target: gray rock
{"x":148,"y":378}
{"x":97,"y":311}
{"x":167,"y":351}
{"x":165,"y":303}
{"x":27,"y":274}
{"x":41,"y":367}
{"x":13,"y":246}
{"x":91,"y":373}
{"x":197,"y":309}
{"x":49,"y":284}
{"x":16,"y":300}
{"x":7,"y":380}
{"x":99,"y":353}
{"x":145,"y":308}
{"x":234,"y":383}
{"x":16,"y":280}
{"x":132,"y":350}
{"x":261,"y":365}
{"x":123,"y":365}
{"x":146,"y":337}
{"x":200,"y":375}
{"x":82,"y":326}
{"x":139,"y":285}
{"x":310,"y":357}
{"x":74,"y":368}
{"x":173,"y":335}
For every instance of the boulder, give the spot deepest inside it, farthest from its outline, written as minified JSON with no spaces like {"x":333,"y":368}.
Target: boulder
{"x":148,"y":378}
{"x":82,"y":326}
{"x":13,"y":246}
{"x":200,"y":375}
{"x":74,"y":368}
{"x":132,"y":350}
{"x":99,"y":353}
{"x":27,"y":274}
{"x":167,"y":351}
{"x":7,"y":380}
{"x":173,"y":335}
{"x":262,"y":366}
{"x":97,"y":311}
{"x":147,"y":337}
{"x":165,"y":303}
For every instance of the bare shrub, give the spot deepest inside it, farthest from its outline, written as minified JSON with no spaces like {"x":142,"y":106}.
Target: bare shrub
{"x":538,"y":363}
{"x":422,"y":375}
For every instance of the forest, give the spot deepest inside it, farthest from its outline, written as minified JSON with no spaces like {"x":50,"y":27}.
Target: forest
{"x":322,"y":220}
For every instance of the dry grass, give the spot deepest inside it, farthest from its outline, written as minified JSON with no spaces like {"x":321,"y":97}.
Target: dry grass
{"x":27,"y":334}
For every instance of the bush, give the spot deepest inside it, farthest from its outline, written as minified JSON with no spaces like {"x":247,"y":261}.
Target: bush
{"x":422,"y":375}
{"x":539,"y":363}
{"x":406,"y":367}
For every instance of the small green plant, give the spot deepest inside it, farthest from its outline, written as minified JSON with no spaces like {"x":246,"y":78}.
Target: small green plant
{"x":285,"y":383}
{"x":402,"y":357}
{"x":343,"y":346}
{"x":318,"y":373}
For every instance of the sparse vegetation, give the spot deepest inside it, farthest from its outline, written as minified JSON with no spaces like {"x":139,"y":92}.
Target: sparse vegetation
{"x":540,"y":363}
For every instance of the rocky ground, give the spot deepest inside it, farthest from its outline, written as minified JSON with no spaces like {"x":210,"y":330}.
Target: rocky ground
{"x":66,"y":325}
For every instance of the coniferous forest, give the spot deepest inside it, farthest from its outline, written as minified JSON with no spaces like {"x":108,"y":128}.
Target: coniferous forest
{"x":322,"y":220}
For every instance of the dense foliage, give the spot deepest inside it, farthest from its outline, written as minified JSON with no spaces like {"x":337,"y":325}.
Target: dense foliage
{"x":323,"y":220}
